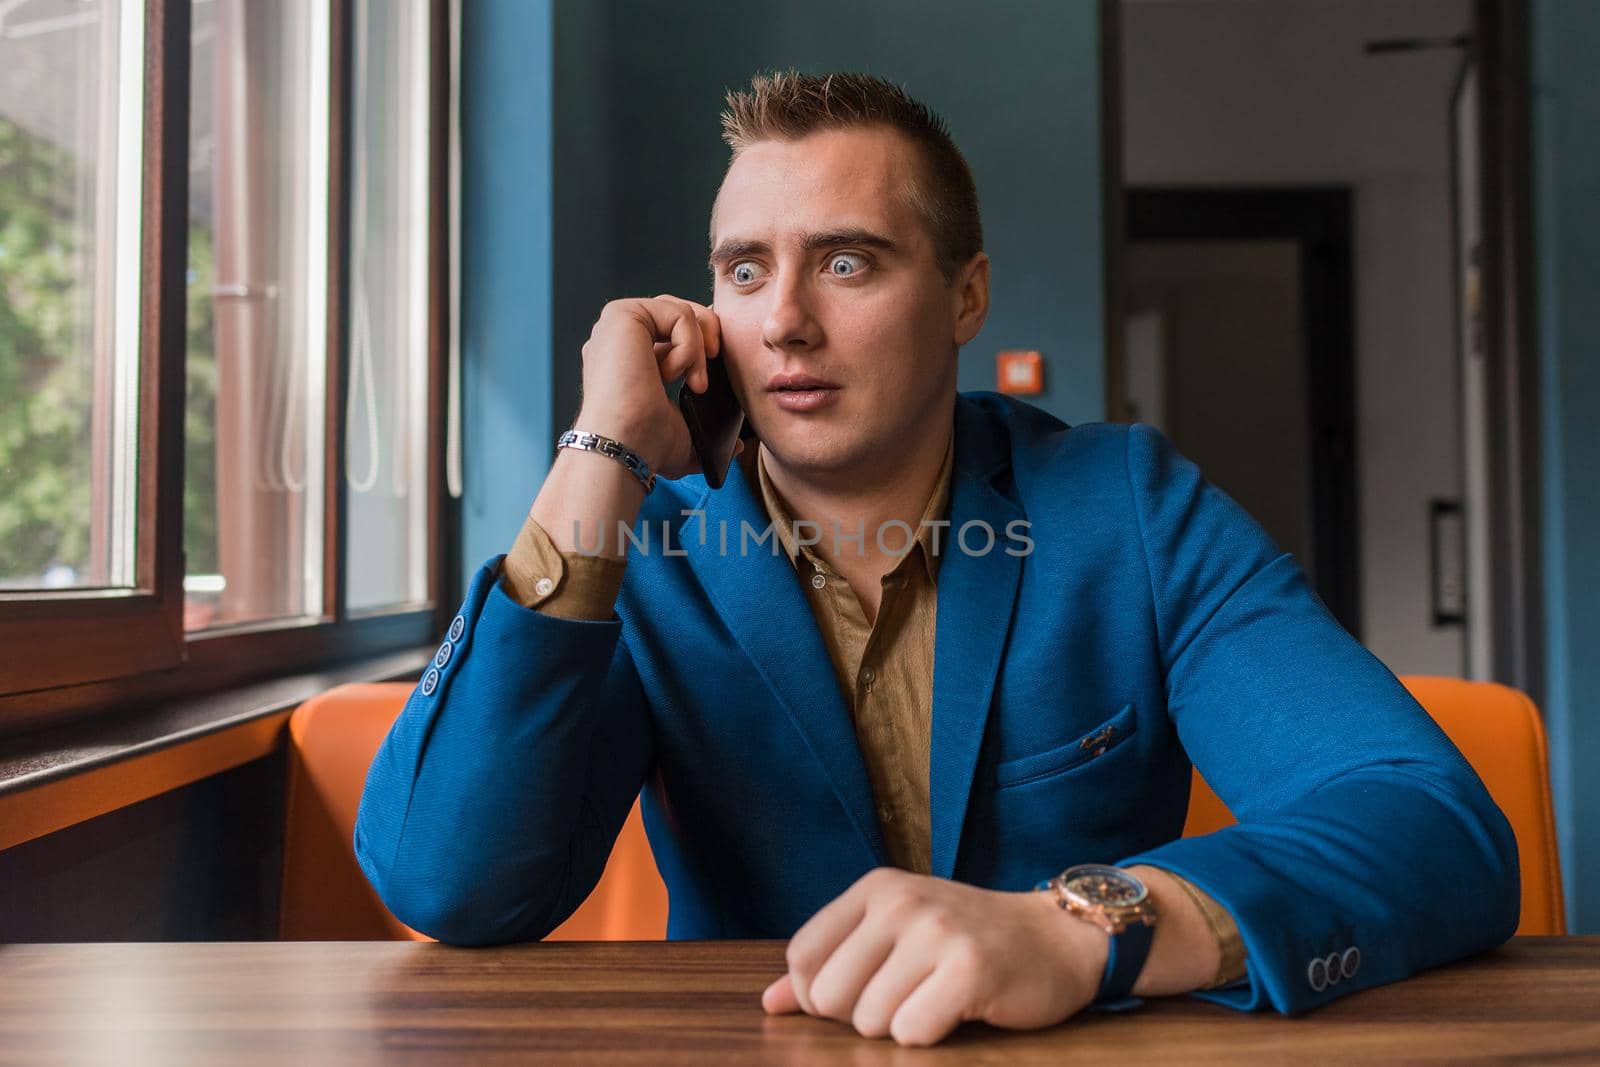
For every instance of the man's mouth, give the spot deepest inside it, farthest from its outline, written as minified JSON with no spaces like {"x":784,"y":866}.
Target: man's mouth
{"x":799,"y":383}
{"x":802,"y":394}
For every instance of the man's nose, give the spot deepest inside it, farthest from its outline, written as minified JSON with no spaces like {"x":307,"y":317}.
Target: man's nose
{"x":791,"y":321}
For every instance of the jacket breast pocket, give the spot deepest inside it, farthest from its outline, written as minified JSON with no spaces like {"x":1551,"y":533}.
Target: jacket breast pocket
{"x":1075,"y":753}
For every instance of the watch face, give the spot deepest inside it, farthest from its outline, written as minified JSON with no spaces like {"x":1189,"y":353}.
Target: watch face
{"x":1108,"y":887}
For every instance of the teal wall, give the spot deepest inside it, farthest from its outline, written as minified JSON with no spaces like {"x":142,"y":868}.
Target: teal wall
{"x":1566,"y":165}
{"x":593,"y":153}
{"x":506,"y":241}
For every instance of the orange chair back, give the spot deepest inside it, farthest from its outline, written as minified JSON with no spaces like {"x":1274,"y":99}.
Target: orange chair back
{"x":1499,"y":731}
{"x":332,"y":739}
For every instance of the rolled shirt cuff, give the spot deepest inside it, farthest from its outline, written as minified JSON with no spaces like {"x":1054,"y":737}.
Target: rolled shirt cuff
{"x":567,"y":585}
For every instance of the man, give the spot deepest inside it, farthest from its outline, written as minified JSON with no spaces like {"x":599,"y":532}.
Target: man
{"x":980,"y":647}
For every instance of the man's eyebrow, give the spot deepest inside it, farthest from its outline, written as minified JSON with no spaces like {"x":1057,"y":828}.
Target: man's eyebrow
{"x":736,"y":248}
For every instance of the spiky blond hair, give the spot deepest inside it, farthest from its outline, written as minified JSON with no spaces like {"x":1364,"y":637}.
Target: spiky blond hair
{"x":788,"y":105}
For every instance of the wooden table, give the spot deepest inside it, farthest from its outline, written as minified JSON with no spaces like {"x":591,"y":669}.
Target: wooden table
{"x":1537,"y":1000}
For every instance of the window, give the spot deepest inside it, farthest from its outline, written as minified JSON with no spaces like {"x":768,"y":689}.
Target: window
{"x":69,"y":302}
{"x":220,"y":305}
{"x":387,"y":392}
{"x":257,"y":344}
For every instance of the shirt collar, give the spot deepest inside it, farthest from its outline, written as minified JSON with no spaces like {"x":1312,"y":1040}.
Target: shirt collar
{"x":937,"y":509}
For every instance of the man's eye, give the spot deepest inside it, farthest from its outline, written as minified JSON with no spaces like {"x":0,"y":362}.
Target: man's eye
{"x":743,"y":273}
{"x":853,"y":264}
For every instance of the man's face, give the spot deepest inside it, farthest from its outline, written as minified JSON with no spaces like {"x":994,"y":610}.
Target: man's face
{"x":824,"y":269}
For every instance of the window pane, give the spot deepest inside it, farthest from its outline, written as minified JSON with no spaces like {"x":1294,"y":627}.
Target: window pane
{"x":71,"y":99}
{"x":387,"y":413}
{"x":257,"y":327}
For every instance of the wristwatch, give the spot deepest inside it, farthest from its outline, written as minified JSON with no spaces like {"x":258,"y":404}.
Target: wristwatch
{"x":1119,"y":903}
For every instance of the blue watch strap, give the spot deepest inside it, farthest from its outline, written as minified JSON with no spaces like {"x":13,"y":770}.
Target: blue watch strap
{"x":1126,"y":951}
{"x":1125,"y":957}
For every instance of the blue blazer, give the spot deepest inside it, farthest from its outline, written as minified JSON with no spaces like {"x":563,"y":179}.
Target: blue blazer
{"x":1152,"y":615}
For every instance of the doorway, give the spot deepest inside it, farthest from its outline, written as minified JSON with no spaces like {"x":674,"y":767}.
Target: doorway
{"x":1237,"y":345}
{"x":1349,"y":98}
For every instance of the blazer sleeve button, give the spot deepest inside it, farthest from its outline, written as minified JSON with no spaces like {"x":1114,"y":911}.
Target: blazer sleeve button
{"x":1317,"y":974}
{"x":1335,"y":971}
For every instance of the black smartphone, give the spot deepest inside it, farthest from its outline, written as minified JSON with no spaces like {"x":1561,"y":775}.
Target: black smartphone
{"x":715,"y":419}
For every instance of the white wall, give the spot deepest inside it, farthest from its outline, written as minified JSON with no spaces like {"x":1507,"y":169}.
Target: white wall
{"x":1279,"y":92}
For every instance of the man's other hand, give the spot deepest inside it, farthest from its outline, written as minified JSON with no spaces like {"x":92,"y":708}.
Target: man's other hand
{"x":911,"y":957}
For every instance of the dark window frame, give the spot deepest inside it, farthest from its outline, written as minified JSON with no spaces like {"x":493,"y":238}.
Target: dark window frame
{"x":77,"y":653}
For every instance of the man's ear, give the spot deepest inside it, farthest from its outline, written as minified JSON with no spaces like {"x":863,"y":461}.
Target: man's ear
{"x":970,"y":297}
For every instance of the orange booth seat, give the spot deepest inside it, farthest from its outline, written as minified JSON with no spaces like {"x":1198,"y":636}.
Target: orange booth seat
{"x":333,"y":738}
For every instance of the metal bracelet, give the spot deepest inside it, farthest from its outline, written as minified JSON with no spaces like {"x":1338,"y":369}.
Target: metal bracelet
{"x":606,"y":446}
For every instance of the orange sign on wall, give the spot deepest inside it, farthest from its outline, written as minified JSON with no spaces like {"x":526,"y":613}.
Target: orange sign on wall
{"x":1019,"y":371}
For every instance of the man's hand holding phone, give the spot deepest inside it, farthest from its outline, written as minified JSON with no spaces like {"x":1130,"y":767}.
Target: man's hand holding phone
{"x":636,"y":346}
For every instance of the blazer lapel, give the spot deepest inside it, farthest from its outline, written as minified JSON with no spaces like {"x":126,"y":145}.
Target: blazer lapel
{"x":977,"y":594}
{"x":760,"y":598}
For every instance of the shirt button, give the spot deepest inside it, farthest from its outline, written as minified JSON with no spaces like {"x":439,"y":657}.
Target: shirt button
{"x":868,"y":674}
{"x":543,"y":586}
{"x":818,"y":580}
{"x":885,"y":813}
{"x":458,"y":626}
{"x":442,"y":657}
{"x":1317,"y":974}
{"x":1351,"y":962}
{"x":430,"y":682}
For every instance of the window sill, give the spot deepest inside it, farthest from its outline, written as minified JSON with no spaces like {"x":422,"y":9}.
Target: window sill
{"x":54,"y":778}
